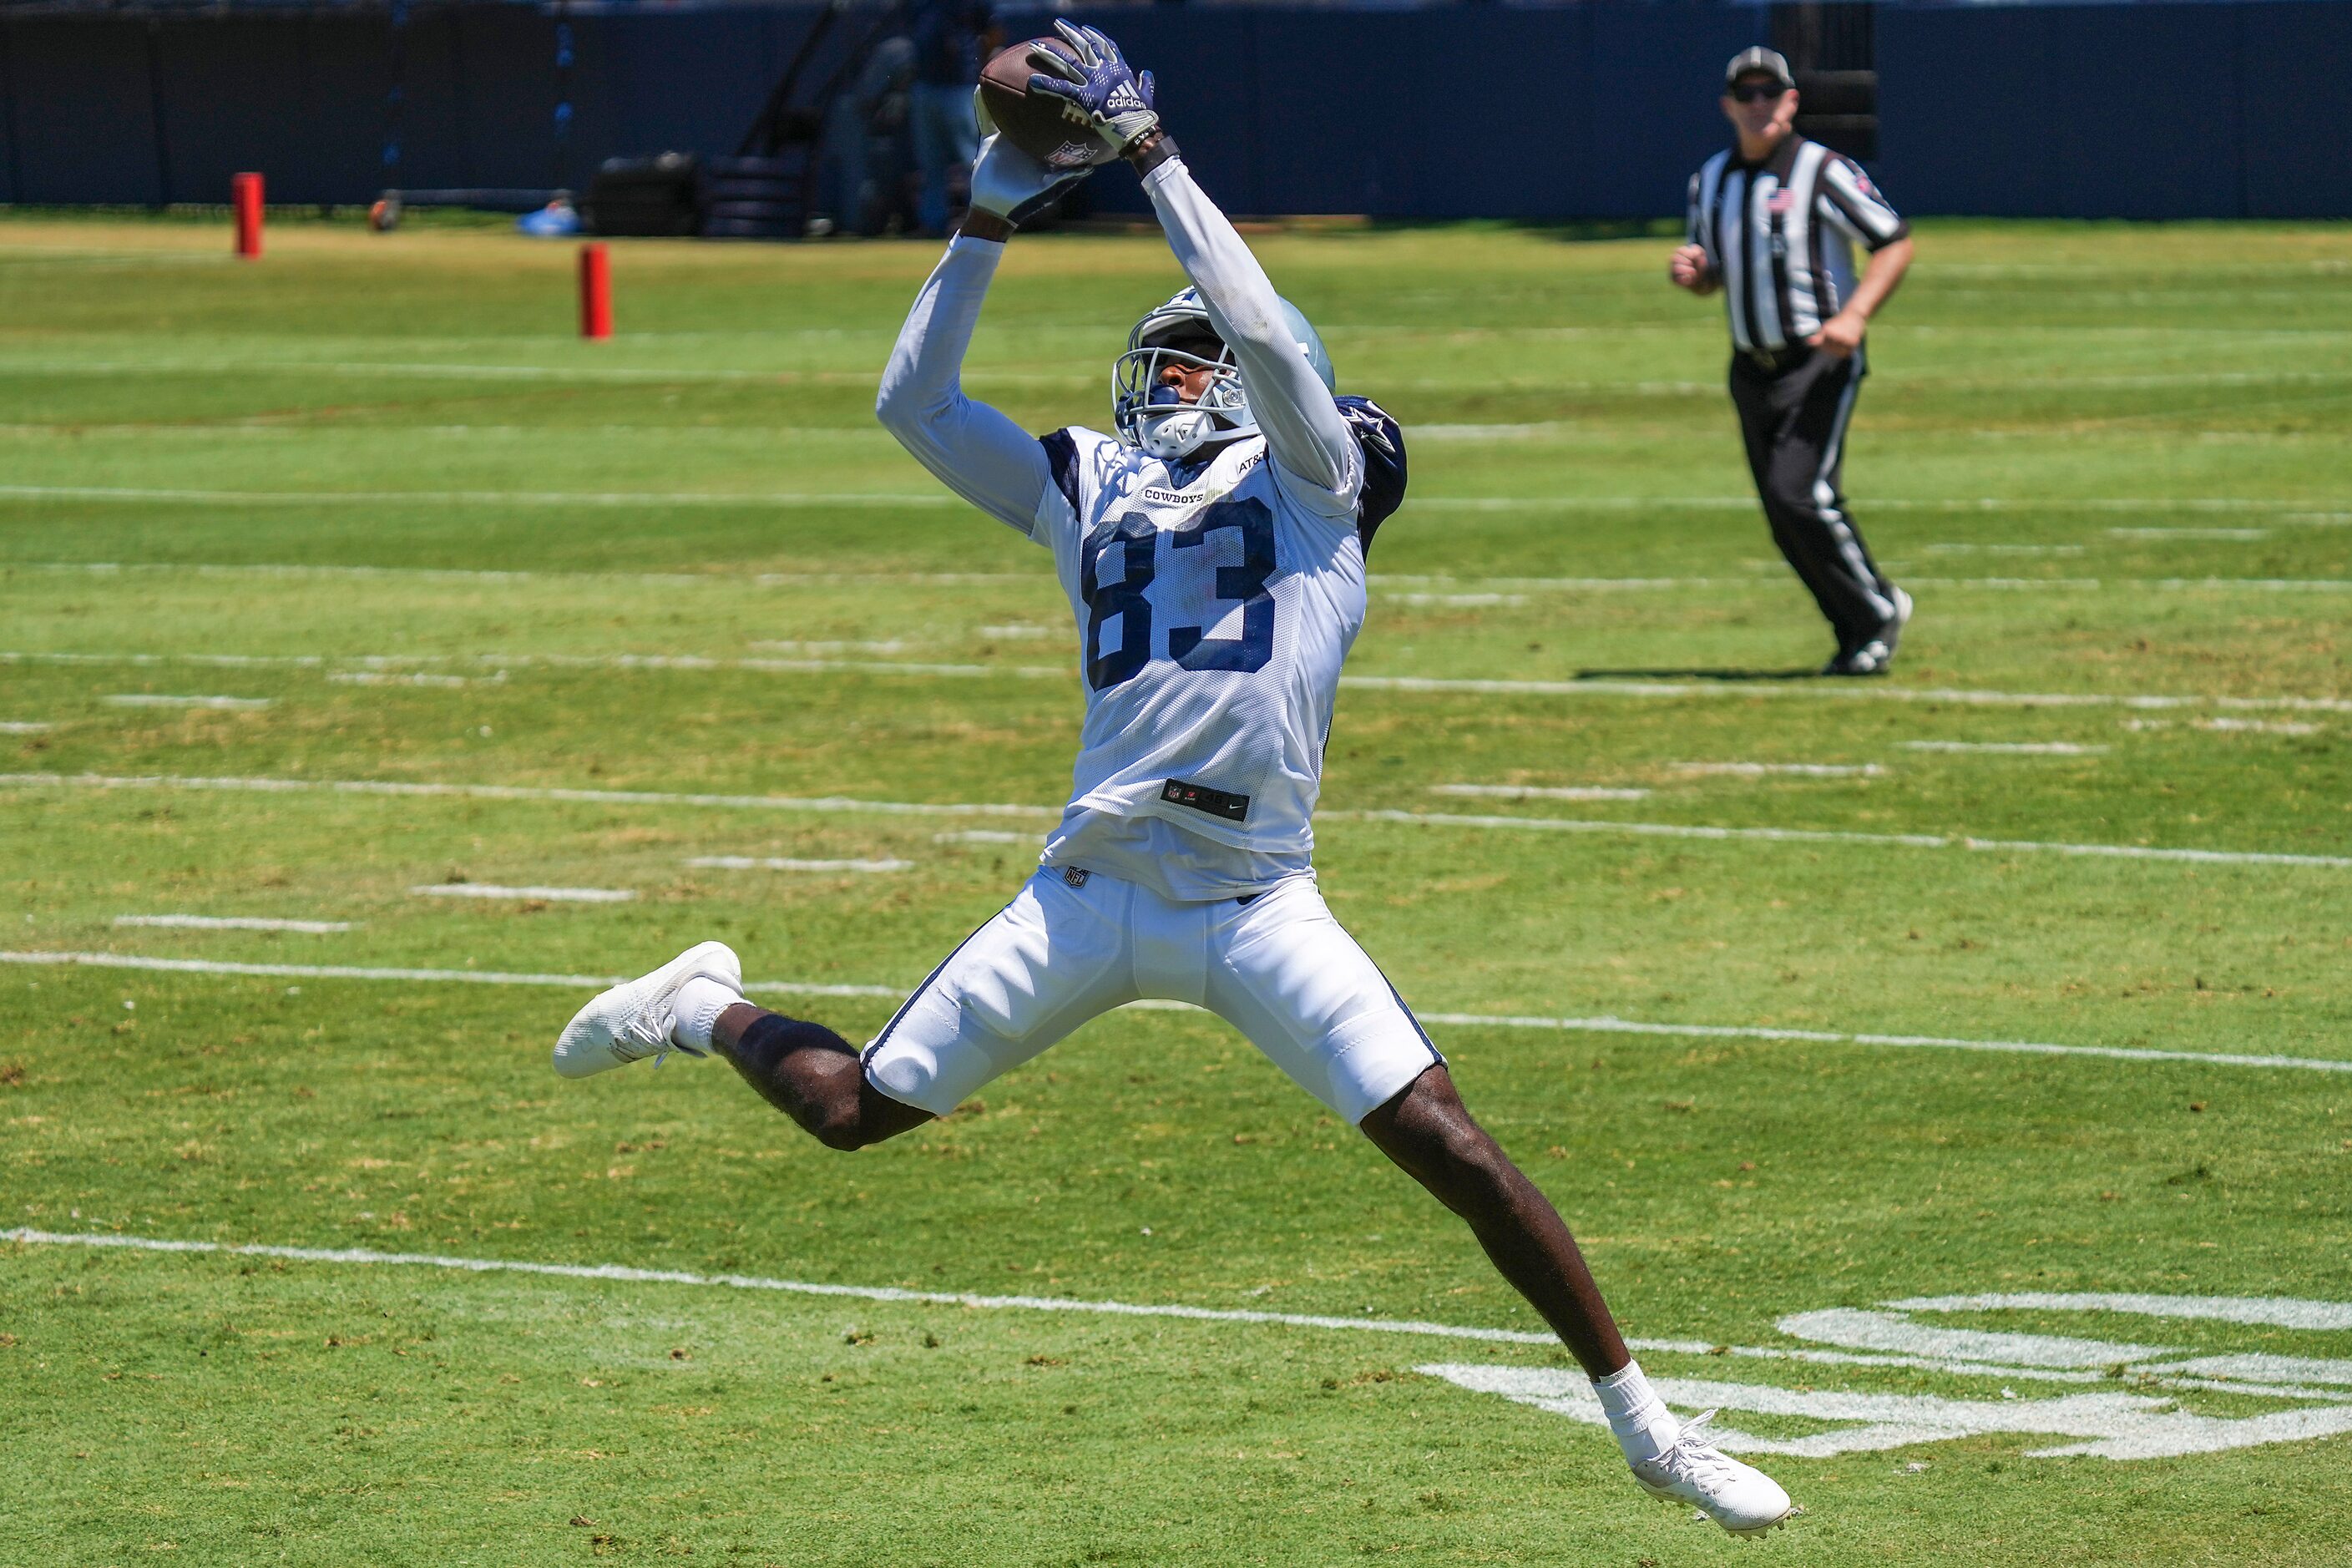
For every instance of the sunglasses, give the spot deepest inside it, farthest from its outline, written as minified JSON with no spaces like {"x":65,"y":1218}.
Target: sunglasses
{"x":1756,"y":91}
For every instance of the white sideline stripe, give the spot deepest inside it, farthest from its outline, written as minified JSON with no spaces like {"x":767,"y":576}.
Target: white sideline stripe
{"x":1540,"y":792}
{"x":779,"y":863}
{"x":233,"y":922}
{"x":555,"y":895}
{"x":1832,"y":836}
{"x":984,"y":835}
{"x":1799,"y":770}
{"x":362,"y":971}
{"x":1455,"y":601}
{"x":151,"y":700}
{"x":1609,"y":1025}
{"x":2008,"y":748}
{"x":1601,"y":1024}
{"x":969,"y":808}
{"x":24,"y":727}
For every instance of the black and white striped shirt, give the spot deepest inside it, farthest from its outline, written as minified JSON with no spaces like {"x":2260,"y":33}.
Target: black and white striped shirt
{"x":1781,"y":235}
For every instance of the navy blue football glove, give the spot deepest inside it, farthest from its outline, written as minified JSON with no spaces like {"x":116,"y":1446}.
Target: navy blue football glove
{"x":1103,"y":92}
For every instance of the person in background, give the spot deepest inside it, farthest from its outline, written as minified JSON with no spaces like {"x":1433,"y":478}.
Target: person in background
{"x":1773,"y":222}
{"x":953,"y":38}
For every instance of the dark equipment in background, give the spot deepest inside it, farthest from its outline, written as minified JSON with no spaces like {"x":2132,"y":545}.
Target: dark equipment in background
{"x":767,"y":186}
{"x":1832,"y":50}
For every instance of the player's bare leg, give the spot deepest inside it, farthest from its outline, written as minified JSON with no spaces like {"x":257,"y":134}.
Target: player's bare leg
{"x":694,"y":1003}
{"x":812,"y":1075}
{"x":1431,"y":1136}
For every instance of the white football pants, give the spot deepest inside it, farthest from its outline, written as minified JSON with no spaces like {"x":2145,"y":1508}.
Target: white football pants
{"x":1075,"y":944}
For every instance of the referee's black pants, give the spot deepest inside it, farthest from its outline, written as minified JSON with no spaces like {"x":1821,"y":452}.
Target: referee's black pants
{"x":1792,"y":413}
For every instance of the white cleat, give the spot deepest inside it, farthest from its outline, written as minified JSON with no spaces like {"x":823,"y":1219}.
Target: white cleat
{"x":633,"y":1020}
{"x":1740,"y":1498}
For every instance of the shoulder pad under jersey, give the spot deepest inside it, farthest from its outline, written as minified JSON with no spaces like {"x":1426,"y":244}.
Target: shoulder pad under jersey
{"x":1383,"y":442}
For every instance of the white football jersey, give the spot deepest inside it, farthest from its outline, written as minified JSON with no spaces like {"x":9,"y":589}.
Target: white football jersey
{"x":1215,"y":610}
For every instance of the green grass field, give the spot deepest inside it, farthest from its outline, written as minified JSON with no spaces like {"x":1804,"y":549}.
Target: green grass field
{"x":371,"y":490}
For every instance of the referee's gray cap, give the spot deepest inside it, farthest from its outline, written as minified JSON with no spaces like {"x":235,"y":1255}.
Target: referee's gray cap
{"x":1758,"y":61}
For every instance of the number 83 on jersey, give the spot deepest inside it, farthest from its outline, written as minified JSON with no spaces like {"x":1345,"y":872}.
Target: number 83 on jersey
{"x":1123,"y":557}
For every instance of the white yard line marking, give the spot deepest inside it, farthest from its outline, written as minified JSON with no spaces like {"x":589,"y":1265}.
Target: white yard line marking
{"x":524,"y":792}
{"x":967,"y":808}
{"x":2230,"y":726}
{"x":423,"y":976}
{"x":832,"y":648}
{"x":150,"y":700}
{"x":1834,"y":835}
{"x":1599,"y":687}
{"x":2233,"y":534}
{"x":780,"y":863}
{"x":484,"y":574}
{"x":2258,"y":726}
{"x":24,"y":727}
{"x":1455,"y":601}
{"x":1611,"y":1025}
{"x":1017,"y":633}
{"x":178,"y":495}
{"x":475,"y":497}
{"x":1540,"y":792}
{"x":619,"y":1273}
{"x":2270,"y":1312}
{"x":1856,"y":690}
{"x":233,"y":922}
{"x":387,"y":678}
{"x":1958,"y":504}
{"x":1600,"y":1024}
{"x":1796,"y":770}
{"x":551,"y":895}
{"x":1549,"y":1387}
{"x":2008,"y":748}
{"x":984,"y":836}
{"x":2004,"y":549}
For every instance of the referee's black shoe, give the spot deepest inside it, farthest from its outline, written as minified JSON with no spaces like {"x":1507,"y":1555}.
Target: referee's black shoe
{"x":1876,"y":656}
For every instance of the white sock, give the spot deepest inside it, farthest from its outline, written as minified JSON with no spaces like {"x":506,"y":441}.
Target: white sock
{"x":696,"y":1007}
{"x":1642,"y":1422}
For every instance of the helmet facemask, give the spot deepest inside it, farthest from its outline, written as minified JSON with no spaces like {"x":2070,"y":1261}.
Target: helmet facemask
{"x":1152,"y":414}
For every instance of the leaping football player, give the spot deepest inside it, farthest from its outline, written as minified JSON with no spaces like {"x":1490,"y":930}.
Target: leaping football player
{"x":1212,"y":552}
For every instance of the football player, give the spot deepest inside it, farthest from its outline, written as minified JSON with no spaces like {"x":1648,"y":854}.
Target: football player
{"x":1212,"y":552}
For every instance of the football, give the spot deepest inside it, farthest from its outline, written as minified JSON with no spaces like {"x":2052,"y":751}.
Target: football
{"x":1038,"y":123}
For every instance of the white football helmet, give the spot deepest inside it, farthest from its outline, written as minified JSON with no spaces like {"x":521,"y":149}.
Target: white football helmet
{"x":1149,"y":415}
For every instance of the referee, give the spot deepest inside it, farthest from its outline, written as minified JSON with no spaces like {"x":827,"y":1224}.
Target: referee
{"x":1773,"y":221}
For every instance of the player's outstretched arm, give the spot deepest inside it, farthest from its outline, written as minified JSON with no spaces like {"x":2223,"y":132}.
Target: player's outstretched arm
{"x":1304,"y":428}
{"x":969,"y":447}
